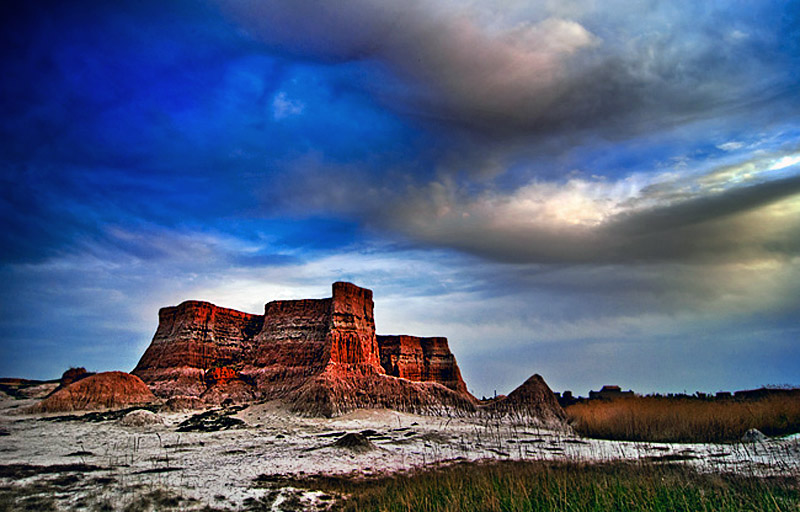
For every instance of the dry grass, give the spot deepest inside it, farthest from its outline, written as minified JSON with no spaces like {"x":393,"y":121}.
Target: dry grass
{"x":685,"y":420}
{"x":539,"y":486}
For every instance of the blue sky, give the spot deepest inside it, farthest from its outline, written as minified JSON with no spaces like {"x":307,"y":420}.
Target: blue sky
{"x":596,"y":192}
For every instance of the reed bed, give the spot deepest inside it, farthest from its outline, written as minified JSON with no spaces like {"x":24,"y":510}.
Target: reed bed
{"x":660,"y":419}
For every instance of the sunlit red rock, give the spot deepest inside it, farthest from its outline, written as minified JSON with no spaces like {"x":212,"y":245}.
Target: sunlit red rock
{"x":216,"y":353}
{"x":220,"y":375}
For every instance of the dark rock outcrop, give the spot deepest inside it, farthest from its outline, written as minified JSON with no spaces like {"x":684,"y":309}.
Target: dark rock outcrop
{"x":107,"y":390}
{"x":73,"y":375}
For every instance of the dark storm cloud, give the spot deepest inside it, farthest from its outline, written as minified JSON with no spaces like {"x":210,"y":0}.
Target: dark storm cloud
{"x":626,"y":67}
{"x":698,"y":227}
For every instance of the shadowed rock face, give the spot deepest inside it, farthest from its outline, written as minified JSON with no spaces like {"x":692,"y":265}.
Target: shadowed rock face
{"x":320,"y":354}
{"x":73,"y":375}
{"x":421,"y":359}
{"x":290,"y":347}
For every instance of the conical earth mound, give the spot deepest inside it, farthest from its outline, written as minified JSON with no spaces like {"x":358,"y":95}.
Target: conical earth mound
{"x":108,"y":390}
{"x":533,"y":399}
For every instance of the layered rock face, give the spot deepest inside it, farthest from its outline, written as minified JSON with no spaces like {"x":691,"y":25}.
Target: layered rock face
{"x":322,"y":355}
{"x":290,"y":346}
{"x":192,"y":338}
{"x":352,"y":334}
{"x":421,"y":359}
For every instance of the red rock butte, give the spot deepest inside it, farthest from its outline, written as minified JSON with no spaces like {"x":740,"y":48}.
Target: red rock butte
{"x":321,"y":356}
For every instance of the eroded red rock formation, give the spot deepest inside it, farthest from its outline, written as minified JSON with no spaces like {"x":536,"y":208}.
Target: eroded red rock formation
{"x":192,"y":338}
{"x":321,"y":354}
{"x":421,"y":359}
{"x":290,"y":347}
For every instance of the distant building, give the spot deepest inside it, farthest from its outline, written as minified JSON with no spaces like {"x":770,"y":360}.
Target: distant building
{"x":609,"y":393}
{"x":565,"y":399}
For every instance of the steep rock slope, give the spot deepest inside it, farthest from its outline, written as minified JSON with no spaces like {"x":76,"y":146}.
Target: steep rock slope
{"x":192,"y":338}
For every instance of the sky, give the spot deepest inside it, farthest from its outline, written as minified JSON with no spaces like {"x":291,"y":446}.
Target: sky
{"x":598,"y":192}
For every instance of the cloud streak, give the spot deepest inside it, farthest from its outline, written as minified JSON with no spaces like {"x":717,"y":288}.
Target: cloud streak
{"x":710,"y":217}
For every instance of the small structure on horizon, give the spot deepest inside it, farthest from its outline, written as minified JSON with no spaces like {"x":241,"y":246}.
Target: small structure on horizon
{"x":609,"y":392}
{"x":566,"y":398}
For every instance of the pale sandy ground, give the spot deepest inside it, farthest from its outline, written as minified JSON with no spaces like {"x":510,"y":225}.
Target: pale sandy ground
{"x":218,"y":468}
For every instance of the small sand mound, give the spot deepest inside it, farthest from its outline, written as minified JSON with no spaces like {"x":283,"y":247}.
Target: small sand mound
{"x":354,"y":442}
{"x":141,"y":418}
{"x":108,"y":390}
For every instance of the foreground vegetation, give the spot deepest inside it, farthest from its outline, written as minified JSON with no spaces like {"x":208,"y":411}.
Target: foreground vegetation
{"x":541,"y":486}
{"x":660,"y":419}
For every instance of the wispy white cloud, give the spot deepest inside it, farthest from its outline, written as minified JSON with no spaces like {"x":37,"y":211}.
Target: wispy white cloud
{"x":731,"y":146}
{"x":283,"y":106}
